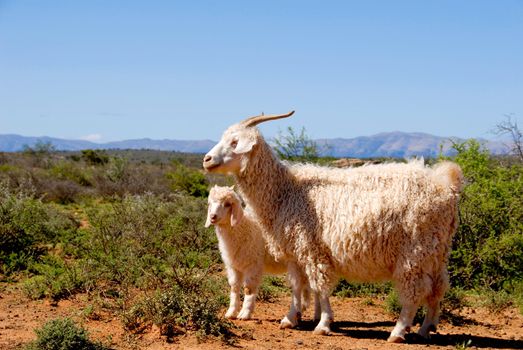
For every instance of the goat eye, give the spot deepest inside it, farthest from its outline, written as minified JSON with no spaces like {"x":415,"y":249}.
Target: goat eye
{"x":234,"y":143}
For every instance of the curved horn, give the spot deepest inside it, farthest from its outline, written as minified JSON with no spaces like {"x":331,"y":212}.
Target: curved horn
{"x":252,"y":121}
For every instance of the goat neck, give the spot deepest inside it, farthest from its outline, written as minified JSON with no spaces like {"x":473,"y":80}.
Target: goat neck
{"x":264,"y":183}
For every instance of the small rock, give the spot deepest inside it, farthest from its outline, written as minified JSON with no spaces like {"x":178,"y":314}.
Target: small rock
{"x":299,"y":342}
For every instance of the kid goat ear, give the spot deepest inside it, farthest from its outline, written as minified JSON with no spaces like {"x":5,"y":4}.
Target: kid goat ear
{"x":236,"y":214}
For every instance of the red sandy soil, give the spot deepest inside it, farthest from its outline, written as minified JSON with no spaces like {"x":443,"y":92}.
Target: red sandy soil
{"x":358,"y":326}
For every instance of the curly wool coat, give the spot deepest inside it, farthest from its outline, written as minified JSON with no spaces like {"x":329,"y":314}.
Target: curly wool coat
{"x":373,"y":223}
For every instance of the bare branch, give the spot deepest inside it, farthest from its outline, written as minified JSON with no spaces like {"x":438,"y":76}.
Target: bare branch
{"x":509,"y":127}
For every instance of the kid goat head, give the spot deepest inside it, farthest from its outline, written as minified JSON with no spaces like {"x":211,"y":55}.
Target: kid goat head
{"x":224,"y":207}
{"x":230,"y":155}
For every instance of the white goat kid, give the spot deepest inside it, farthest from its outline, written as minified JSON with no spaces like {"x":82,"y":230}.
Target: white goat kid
{"x":243,"y":250}
{"x":373,"y":223}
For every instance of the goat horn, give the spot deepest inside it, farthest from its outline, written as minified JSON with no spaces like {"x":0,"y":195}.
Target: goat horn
{"x":252,"y":121}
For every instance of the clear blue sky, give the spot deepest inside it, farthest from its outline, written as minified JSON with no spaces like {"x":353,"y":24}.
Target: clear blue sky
{"x":111,"y":70}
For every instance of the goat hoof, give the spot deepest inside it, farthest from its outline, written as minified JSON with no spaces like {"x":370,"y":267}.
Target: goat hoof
{"x":286,"y":323}
{"x":426,"y":336}
{"x":322,"y":330}
{"x":396,"y":339}
{"x":229,"y":317}
{"x":425,"y":333}
{"x":244,"y":315}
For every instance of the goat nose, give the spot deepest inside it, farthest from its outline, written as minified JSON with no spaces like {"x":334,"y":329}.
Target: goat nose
{"x":214,"y":217}
{"x":207,"y":158}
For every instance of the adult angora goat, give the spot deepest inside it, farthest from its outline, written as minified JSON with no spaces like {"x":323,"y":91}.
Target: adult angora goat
{"x":374,"y":223}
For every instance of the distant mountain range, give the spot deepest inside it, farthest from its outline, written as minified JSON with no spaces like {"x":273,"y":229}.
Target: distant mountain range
{"x":390,"y":144}
{"x":14,"y":143}
{"x":398,"y":144}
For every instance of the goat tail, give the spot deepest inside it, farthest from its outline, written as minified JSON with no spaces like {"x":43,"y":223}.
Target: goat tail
{"x":449,"y":175}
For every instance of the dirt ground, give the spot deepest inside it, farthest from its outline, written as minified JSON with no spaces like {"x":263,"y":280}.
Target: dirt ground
{"x":357,"y":326}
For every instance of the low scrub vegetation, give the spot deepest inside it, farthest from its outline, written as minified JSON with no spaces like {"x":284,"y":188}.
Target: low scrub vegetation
{"x":63,"y":334}
{"x":127,"y":228}
{"x":488,"y":247}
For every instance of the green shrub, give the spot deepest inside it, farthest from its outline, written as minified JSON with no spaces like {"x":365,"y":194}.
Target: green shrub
{"x":157,"y":243}
{"x":35,"y":287}
{"x":187,"y":180}
{"x":516,"y":290}
{"x":392,"y":304}
{"x":177,"y":310}
{"x":296,"y":147}
{"x":63,"y":334}
{"x":142,"y":240}
{"x":93,"y":157}
{"x":348,"y":289}
{"x":272,"y":287}
{"x":40,"y":153}
{"x":495,"y":301}
{"x":393,"y":307}
{"x":488,"y":246}
{"x":117,"y":169}
{"x":54,"y":279}
{"x":455,"y":299}
{"x":27,"y":228}
{"x":66,"y":170}
{"x":121,"y":177}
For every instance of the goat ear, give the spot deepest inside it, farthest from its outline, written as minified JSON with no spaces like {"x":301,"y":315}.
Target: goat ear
{"x":208,"y":221}
{"x":244,"y":145}
{"x":236,"y":214}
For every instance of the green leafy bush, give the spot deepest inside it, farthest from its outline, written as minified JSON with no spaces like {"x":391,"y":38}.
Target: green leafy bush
{"x":516,"y":290}
{"x":187,"y":180}
{"x":157,"y":243}
{"x":488,"y":246}
{"x":141,"y":240}
{"x":27,"y":228}
{"x":393,"y":306}
{"x":176,"y":310}
{"x":54,"y":278}
{"x":348,"y":289}
{"x":296,"y":147}
{"x":63,"y":334}
{"x":271,"y":287}
{"x":93,"y":157}
{"x":495,"y":301}
{"x":66,"y":170}
{"x":121,"y":177}
{"x":40,"y":153}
